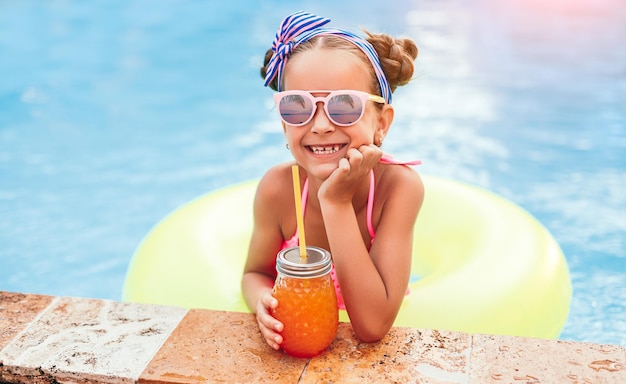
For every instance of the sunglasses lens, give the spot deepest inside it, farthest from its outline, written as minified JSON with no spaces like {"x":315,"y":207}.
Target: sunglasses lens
{"x":345,"y":109}
{"x":295,"y":109}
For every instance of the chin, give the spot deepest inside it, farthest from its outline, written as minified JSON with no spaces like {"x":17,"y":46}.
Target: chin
{"x":323,"y":171}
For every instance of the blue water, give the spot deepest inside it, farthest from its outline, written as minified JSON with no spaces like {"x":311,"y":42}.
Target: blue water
{"x":113,"y":113}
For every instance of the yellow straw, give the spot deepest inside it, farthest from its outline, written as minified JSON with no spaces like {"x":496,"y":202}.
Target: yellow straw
{"x":295,"y":173}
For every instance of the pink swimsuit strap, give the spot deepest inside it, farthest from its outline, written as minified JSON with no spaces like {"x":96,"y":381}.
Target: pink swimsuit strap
{"x":386,"y":159}
{"x":370,"y":207}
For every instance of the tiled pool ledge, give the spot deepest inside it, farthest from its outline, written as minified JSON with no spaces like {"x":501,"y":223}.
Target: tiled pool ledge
{"x":45,"y":339}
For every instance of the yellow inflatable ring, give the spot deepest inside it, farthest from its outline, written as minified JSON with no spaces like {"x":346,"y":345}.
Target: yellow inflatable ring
{"x":481,"y":263}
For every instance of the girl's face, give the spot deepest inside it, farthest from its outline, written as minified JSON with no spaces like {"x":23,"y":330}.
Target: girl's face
{"x":319,"y":145}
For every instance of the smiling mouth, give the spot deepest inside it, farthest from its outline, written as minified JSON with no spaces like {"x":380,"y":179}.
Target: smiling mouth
{"x":325,"y":149}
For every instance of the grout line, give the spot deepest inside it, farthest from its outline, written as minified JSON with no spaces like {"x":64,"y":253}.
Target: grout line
{"x":157,"y":350}
{"x":470,"y":349}
{"x":304,"y":370}
{"x":34,"y":320}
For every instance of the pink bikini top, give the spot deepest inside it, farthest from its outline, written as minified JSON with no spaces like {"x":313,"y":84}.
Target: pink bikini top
{"x":293,"y":241}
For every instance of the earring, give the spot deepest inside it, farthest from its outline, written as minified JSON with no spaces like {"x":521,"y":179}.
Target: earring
{"x":287,"y":146}
{"x":380,"y":141}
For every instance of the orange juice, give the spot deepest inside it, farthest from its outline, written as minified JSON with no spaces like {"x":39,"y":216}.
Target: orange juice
{"x":307,"y":302}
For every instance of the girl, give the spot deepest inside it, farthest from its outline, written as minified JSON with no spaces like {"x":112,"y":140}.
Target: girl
{"x":334,"y":94}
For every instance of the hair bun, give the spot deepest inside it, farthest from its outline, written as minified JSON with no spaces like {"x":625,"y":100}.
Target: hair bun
{"x":396,"y":55}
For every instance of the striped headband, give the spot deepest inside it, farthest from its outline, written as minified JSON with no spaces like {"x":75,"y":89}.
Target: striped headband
{"x":303,"y":26}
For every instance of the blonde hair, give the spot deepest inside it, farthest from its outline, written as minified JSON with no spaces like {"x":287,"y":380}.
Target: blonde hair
{"x":396,"y":56}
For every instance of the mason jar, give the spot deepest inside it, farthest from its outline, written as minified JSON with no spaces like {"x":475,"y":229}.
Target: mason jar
{"x":307,"y":302}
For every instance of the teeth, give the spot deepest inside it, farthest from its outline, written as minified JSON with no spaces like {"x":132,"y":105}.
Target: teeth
{"x":325,"y":150}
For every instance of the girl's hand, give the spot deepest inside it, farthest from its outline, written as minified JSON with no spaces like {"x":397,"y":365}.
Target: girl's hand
{"x":268,"y":325}
{"x":344,"y":181}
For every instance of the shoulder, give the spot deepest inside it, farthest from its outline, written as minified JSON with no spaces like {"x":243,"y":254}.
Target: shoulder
{"x":276,"y":183}
{"x":399,"y":176}
{"x":399,"y":183}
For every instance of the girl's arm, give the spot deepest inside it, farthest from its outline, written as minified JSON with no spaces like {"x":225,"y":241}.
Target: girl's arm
{"x":374,"y":283}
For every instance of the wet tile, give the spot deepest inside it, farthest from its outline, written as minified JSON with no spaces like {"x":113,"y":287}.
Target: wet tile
{"x":85,"y":340}
{"x":519,"y":360}
{"x":214,"y":346}
{"x":404,"y":355}
{"x":17,"y":310}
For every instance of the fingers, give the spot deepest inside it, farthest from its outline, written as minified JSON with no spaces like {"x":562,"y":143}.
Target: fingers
{"x":354,"y":157}
{"x":343,"y":181}
{"x":370,"y":154}
{"x":268,"y":325}
{"x":344,"y":166}
{"x":363,"y":158}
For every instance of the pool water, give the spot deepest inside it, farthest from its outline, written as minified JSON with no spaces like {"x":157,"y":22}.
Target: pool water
{"x":114,"y":113}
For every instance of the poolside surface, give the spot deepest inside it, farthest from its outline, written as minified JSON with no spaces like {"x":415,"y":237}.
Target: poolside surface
{"x":49,"y":339}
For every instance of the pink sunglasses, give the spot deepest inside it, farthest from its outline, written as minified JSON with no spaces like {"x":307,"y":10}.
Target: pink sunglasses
{"x":344,"y":107}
